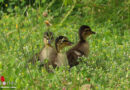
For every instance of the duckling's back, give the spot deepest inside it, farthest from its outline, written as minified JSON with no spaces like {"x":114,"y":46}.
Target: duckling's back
{"x":81,"y":49}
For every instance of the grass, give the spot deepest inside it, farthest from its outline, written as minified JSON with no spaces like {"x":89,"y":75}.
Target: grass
{"x":107,"y":66}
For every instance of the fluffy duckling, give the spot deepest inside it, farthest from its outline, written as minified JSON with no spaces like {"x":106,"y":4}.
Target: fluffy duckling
{"x":47,"y":52}
{"x":81,"y":48}
{"x":61,"y":58}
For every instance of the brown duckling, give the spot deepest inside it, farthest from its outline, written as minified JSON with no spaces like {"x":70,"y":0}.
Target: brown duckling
{"x":61,"y":58}
{"x":81,"y":48}
{"x":47,"y":52}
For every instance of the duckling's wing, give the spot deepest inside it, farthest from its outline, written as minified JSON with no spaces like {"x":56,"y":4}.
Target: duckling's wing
{"x":48,"y":53}
{"x":72,"y":58}
{"x":61,"y":60}
{"x":52,"y":57}
{"x":78,"y":53}
{"x":45,"y":53}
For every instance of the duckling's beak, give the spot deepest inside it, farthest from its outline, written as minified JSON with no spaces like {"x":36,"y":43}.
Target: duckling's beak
{"x":93,"y":32}
{"x":49,"y":41}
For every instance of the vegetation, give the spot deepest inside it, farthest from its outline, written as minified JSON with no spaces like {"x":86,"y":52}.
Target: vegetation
{"x":21,"y":31}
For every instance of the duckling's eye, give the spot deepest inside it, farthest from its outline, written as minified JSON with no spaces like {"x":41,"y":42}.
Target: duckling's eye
{"x":65,"y":41}
{"x":87,"y":31}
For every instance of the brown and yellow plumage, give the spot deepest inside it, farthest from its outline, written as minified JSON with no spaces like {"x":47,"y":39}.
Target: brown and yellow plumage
{"x":81,"y":48}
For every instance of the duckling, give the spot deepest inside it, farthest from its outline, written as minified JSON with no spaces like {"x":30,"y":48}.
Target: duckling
{"x":61,"y":58}
{"x":81,"y":48}
{"x":47,"y":52}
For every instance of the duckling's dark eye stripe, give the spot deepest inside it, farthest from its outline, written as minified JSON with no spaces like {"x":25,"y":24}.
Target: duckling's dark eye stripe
{"x":61,"y":37}
{"x":65,"y":41}
{"x":48,"y":35}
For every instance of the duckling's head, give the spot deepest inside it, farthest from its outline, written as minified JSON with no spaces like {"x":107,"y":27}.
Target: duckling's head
{"x":62,"y":42}
{"x":85,"y":31}
{"x":48,"y":38}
